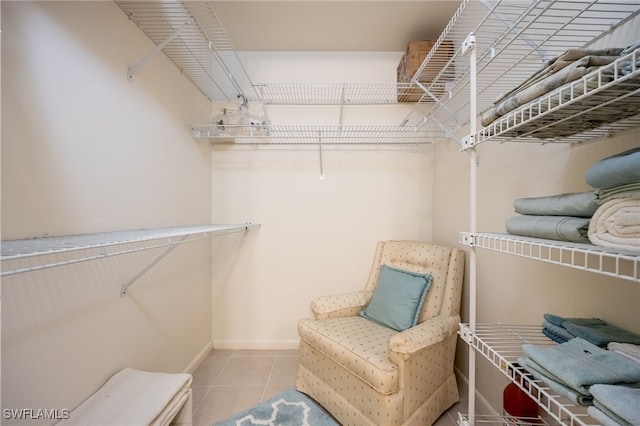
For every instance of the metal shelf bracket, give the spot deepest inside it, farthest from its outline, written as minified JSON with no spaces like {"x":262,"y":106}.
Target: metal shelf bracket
{"x":154,"y":262}
{"x":467,"y":142}
{"x":155,"y":50}
{"x":467,"y":239}
{"x":468,"y":44}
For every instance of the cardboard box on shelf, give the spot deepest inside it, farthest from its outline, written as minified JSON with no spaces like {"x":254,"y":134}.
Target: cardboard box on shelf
{"x":416,"y":53}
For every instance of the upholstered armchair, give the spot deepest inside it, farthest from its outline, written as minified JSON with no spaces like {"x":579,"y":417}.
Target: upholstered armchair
{"x":367,"y":373}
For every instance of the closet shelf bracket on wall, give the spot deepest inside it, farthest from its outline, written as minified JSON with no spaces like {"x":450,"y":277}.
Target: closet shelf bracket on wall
{"x":172,"y":244}
{"x":467,"y":239}
{"x":192,"y":37}
{"x":155,"y":50}
{"x":34,"y":254}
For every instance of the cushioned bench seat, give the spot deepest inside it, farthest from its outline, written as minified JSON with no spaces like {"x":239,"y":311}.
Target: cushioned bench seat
{"x":134,"y":397}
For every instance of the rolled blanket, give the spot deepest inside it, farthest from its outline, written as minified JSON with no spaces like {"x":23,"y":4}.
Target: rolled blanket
{"x":615,"y":170}
{"x":578,"y":364}
{"x":616,"y":224}
{"x":619,"y":403}
{"x":562,"y":228}
{"x":579,"y":204}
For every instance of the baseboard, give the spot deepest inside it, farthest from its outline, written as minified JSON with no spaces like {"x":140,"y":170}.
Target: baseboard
{"x":482,"y":405}
{"x":256,"y":344}
{"x":199,"y":358}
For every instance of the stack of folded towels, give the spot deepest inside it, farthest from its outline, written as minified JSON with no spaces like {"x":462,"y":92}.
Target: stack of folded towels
{"x":595,"y":365}
{"x":563,"y":217}
{"x":608,"y":216}
{"x":616,"y":222}
{"x":593,"y":330}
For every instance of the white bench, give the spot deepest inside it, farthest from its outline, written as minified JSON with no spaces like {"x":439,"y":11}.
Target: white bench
{"x":136,"y":398}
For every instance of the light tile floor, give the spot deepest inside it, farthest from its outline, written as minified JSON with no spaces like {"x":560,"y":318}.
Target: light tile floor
{"x":228,"y":382}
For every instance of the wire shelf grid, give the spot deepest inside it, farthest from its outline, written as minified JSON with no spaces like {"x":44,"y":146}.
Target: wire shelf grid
{"x":513,"y":40}
{"x":325,"y":135}
{"x":26,"y":255}
{"x":338,"y":93}
{"x":587,"y":257}
{"x":202,"y":50}
{"x":599,"y":104}
{"x":501,"y":345}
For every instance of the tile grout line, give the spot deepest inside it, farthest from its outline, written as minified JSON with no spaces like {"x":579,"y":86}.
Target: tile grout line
{"x":211,"y":384}
{"x":266,"y":385}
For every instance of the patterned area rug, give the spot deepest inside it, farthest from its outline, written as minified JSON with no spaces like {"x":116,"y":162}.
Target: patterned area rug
{"x":290,"y":408}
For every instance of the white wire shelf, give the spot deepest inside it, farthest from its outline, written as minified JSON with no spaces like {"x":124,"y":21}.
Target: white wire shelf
{"x":587,"y":257}
{"x":498,"y":420}
{"x":513,"y":39}
{"x":199,"y":45}
{"x":339,"y":93}
{"x":501,"y":344}
{"x":315,"y":135}
{"x":599,"y":104}
{"x":26,"y":255}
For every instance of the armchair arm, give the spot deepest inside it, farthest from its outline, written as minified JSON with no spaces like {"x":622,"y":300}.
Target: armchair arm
{"x":340,"y":305}
{"x":423,"y":335}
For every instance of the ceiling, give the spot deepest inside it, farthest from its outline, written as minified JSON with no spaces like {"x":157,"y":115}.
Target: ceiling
{"x":332,"y":25}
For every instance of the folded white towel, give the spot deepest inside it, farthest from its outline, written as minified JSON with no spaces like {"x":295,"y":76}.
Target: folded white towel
{"x":616,"y":224}
{"x":133,"y":397}
{"x":627,"y":349}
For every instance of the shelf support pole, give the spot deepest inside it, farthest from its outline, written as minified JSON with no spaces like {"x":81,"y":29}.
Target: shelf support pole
{"x":469,"y":48}
{"x":154,"y":262}
{"x":157,"y":49}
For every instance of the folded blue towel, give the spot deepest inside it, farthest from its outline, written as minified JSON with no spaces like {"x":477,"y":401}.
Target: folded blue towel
{"x":602,"y":334}
{"x":562,"y":389}
{"x":604,"y":419}
{"x":579,"y":364}
{"x":559,"y":321}
{"x":576,"y":204}
{"x":618,"y":402}
{"x":561,"y":228}
{"x":553,"y":336}
{"x":593,"y":330}
{"x":616,"y":170}
{"x":557,"y":330}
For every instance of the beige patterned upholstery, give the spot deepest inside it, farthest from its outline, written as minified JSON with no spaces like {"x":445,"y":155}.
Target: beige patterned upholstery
{"x":367,"y":374}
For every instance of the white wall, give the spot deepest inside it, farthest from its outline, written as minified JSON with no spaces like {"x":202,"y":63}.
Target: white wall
{"x":317,"y":236}
{"x":86,"y":150}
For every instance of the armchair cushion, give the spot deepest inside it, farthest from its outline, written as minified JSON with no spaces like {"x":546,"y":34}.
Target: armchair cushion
{"x":358,"y":345}
{"x":397,"y":298}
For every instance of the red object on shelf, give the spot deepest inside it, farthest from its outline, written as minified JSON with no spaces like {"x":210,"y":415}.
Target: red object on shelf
{"x":517,"y":403}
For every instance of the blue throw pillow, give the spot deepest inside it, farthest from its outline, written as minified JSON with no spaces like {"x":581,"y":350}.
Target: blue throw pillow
{"x":397,"y":298}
